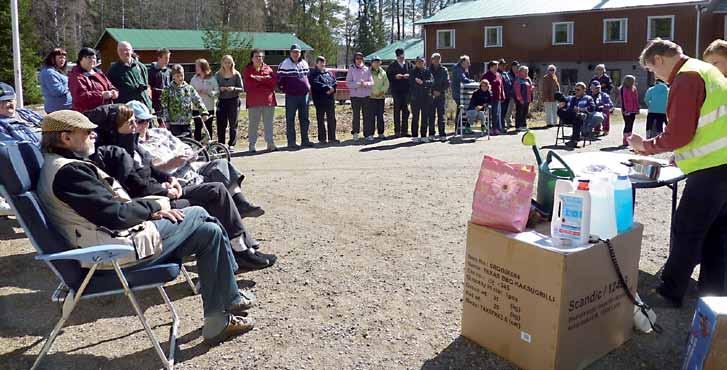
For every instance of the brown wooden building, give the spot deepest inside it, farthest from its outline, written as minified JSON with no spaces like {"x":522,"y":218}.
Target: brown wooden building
{"x":188,"y":45}
{"x":575,"y":36}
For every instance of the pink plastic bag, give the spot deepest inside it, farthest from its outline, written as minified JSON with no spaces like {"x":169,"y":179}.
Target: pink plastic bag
{"x":502,"y":195}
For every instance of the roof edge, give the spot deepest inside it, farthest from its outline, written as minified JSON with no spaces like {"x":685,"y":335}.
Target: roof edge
{"x":423,"y":22}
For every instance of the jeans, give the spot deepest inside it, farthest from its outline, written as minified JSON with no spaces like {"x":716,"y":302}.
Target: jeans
{"x":227,"y":114}
{"x":655,"y":124}
{"x":198,"y":125}
{"x":326,"y":113}
{"x":401,"y":112}
{"x":221,"y":170}
{"x":495,"y":120}
{"x":699,"y":235}
{"x":474,"y":116}
{"x":376,"y":106}
{"x":297,"y":104}
{"x":437,"y":112}
{"x":521,"y":115}
{"x":509,"y":110}
{"x":254,"y":115}
{"x":594,"y":120}
{"x":360,"y":108}
{"x":551,"y":112}
{"x":217,"y":201}
{"x":420,"y":109}
{"x":202,"y":236}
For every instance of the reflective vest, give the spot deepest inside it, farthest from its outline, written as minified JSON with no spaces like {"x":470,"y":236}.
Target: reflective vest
{"x":708,"y":147}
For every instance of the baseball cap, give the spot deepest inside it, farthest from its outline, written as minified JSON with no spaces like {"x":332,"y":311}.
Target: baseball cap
{"x":141,"y":111}
{"x":66,"y":120}
{"x":295,"y":47}
{"x":595,"y":83}
{"x":376,"y":58}
{"x":419,"y":58}
{"x":6,"y":92}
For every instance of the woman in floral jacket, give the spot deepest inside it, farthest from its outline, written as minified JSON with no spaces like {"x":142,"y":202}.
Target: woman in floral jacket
{"x":178,"y":101}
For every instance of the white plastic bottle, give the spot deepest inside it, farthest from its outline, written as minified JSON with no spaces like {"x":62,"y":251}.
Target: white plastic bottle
{"x":570,"y":223}
{"x":623,"y":203}
{"x":603,"y":210}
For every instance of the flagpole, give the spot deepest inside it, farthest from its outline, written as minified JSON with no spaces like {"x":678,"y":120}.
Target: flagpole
{"x":16,"y":53}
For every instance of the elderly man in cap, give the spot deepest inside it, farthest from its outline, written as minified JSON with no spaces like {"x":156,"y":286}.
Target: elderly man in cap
{"x":17,"y":124}
{"x":440,"y":85}
{"x":420,"y":85}
{"x":293,"y":81}
{"x":88,"y":207}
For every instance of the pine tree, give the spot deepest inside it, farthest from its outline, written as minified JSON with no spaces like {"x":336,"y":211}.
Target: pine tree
{"x":28,"y":48}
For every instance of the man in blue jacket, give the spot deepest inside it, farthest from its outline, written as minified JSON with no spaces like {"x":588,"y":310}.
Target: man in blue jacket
{"x":460,"y":75}
{"x":17,"y":124}
{"x":323,"y":90}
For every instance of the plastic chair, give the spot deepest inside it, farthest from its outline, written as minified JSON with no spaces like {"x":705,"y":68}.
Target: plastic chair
{"x":18,"y":179}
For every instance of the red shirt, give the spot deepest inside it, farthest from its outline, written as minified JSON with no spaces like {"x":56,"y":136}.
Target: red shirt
{"x":686,"y":97}
{"x":259,"y":93}
{"x":87,"y":89}
{"x":496,"y":85}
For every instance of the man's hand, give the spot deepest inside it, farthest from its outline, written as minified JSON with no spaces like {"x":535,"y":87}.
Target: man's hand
{"x":108,"y":94}
{"x":178,"y":161}
{"x":176,"y":185}
{"x":405,"y":75}
{"x":399,"y":76}
{"x":436,"y":93}
{"x":419,"y":81}
{"x":172,"y":193}
{"x":330,"y":91}
{"x":205,"y":117}
{"x":637,"y":143}
{"x":174,"y":215}
{"x":561,"y":104}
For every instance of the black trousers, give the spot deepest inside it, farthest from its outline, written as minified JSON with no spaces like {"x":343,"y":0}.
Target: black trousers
{"x":227,"y":114}
{"x":401,"y":112}
{"x":326,"y":112}
{"x":181,"y":130}
{"x":420,"y":108}
{"x":629,"y":119}
{"x":571,"y":118}
{"x":198,"y":124}
{"x":360,"y":107}
{"x":437,"y":113}
{"x":699,"y":235}
{"x":217,"y":200}
{"x":521,"y":114}
{"x":376,"y":106}
{"x":655,"y":123}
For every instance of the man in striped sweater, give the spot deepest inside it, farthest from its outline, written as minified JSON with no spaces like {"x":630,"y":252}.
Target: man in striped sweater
{"x":293,"y":81}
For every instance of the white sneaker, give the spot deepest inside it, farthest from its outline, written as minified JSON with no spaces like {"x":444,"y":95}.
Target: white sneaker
{"x":355,"y":137}
{"x":424,"y":139}
{"x":272,"y":147}
{"x":415,"y":140}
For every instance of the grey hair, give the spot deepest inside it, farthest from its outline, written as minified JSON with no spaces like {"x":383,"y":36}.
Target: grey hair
{"x":601,"y":66}
{"x":464,"y":58}
{"x":523,"y":68}
{"x":125,"y":43}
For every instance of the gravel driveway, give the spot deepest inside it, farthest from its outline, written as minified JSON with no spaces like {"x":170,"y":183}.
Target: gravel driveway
{"x":370,"y":242}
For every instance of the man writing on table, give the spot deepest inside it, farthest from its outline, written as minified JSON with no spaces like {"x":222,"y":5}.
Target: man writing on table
{"x":697,"y":134}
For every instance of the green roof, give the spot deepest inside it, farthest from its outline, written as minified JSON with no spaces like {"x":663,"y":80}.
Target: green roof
{"x":412,"y":48}
{"x":484,"y":9}
{"x":151,"y":39}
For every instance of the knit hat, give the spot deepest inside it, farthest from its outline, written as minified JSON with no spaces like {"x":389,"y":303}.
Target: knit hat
{"x":66,"y":120}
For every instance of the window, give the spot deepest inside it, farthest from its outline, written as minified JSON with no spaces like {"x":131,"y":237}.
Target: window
{"x":568,"y":76}
{"x":563,"y":33}
{"x":661,"y":26}
{"x":445,"y":39}
{"x":493,"y":37}
{"x":615,"y":30}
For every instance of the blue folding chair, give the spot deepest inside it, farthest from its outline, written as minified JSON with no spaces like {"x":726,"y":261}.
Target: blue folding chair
{"x":19,"y":171}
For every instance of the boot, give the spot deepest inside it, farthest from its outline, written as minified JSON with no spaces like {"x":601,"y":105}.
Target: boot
{"x":626,"y":136}
{"x":246,"y":208}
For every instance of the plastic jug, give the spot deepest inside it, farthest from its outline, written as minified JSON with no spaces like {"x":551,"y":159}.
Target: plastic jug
{"x":570,"y":222}
{"x":623,"y":203}
{"x":547,"y":178}
{"x":603,"y":210}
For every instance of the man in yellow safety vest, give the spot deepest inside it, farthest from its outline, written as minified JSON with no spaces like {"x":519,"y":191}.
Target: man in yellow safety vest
{"x":697,"y":134}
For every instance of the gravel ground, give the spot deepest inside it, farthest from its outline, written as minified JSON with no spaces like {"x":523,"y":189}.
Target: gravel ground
{"x":371,"y":242}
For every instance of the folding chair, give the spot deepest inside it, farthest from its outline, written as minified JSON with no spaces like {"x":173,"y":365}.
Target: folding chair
{"x":18,"y":179}
{"x":560,"y":133}
{"x":466,"y":91}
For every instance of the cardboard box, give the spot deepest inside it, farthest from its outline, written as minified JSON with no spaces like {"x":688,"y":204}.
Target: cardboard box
{"x":707,"y":344}
{"x":542,"y":307}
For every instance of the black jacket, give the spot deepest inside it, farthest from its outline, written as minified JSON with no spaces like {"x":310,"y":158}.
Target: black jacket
{"x":78,"y":185}
{"x":398,"y":86}
{"x":441,"y":78}
{"x":420,"y":92}
{"x":480,"y":98}
{"x":320,"y":83}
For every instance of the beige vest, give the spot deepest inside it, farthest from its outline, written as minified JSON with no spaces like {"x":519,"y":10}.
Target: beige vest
{"x":79,"y":232}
